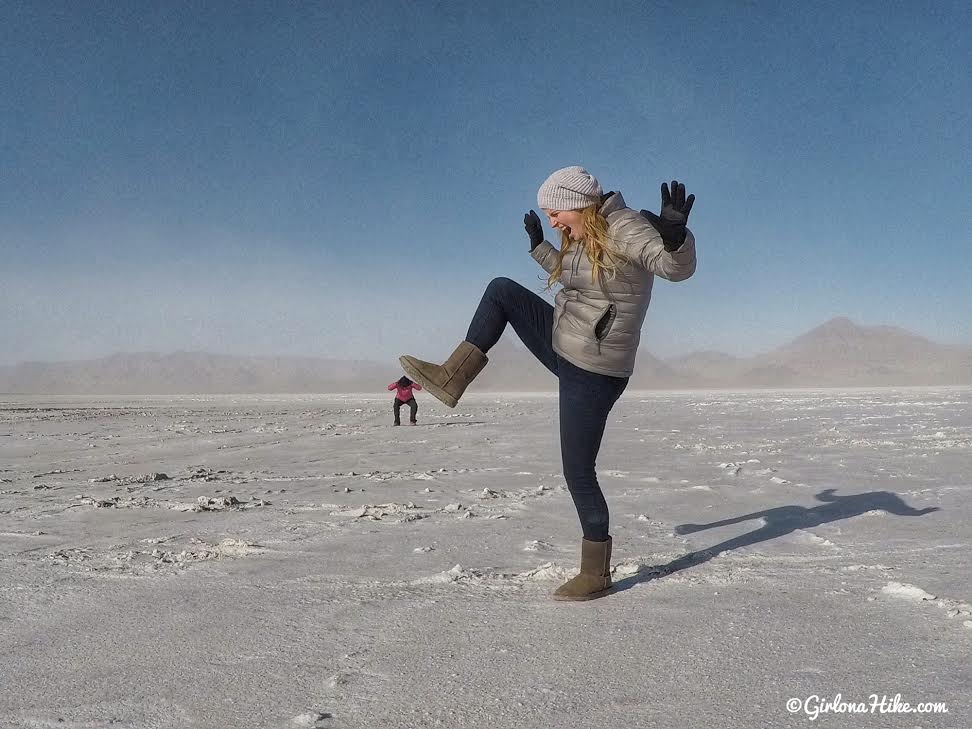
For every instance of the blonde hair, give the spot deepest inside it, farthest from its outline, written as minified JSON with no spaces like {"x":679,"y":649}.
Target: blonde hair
{"x":600,"y":251}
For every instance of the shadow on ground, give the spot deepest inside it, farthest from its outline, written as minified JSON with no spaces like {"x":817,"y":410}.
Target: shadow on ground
{"x":778,"y":522}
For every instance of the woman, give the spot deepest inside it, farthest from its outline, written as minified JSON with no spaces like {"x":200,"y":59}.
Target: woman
{"x":606,"y":264}
{"x":404,"y":396}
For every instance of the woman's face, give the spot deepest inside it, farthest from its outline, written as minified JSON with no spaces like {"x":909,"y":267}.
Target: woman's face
{"x":570,"y":221}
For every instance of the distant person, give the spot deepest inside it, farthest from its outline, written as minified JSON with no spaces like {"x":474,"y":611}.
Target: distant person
{"x":606,"y":264}
{"x":404,"y":396}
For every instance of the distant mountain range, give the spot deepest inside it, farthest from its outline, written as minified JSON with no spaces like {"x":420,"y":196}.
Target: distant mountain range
{"x":836,"y":354}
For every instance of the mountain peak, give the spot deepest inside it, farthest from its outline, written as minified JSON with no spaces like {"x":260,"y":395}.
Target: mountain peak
{"x":837,"y":324}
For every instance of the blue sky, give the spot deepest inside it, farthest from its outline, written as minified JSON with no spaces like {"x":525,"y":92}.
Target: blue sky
{"x":343,"y":178}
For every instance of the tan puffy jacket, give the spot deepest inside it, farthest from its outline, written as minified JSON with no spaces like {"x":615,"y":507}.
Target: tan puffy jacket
{"x":597,"y":326}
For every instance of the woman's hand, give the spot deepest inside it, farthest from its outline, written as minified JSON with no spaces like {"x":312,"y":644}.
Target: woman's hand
{"x":675,"y":210}
{"x":531,"y":221}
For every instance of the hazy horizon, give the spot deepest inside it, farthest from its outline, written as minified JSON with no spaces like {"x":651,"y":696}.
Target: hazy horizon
{"x":509,"y":339}
{"x":343,"y":181}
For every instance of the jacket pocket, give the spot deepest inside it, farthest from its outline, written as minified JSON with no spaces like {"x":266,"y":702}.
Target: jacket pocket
{"x":604,"y":322}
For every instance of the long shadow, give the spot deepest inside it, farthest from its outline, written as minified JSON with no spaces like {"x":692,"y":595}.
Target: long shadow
{"x":778,"y":522}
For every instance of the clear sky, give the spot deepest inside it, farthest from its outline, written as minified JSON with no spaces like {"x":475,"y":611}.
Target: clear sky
{"x":342,"y":179}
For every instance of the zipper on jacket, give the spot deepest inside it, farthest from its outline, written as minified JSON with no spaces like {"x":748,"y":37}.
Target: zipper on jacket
{"x":606,"y":319}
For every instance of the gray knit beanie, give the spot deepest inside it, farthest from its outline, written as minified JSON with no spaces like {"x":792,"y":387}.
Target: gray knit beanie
{"x":571,"y":188}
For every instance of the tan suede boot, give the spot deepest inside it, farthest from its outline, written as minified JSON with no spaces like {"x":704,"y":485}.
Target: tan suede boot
{"x":448,"y":380}
{"x":594,"y":579}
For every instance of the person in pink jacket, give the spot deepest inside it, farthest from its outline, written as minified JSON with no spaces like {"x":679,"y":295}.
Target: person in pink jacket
{"x":404,"y":396}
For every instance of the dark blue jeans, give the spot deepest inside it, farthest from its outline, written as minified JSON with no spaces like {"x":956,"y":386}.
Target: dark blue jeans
{"x":586,"y":398}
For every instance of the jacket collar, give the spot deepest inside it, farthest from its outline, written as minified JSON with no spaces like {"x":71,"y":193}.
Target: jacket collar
{"x":614,"y":203}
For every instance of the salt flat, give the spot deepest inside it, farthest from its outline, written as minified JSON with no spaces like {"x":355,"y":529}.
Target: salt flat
{"x":283,"y":561}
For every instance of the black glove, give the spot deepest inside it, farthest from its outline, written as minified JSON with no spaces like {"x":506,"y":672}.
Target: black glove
{"x":674,"y":215}
{"x":531,"y":221}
